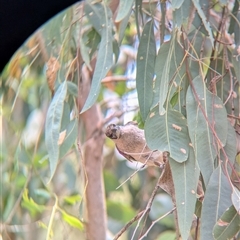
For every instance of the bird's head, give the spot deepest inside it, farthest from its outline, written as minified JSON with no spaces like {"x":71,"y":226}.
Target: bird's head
{"x":113,"y":131}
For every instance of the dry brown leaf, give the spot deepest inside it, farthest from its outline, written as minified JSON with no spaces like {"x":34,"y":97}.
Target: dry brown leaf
{"x":52,"y":69}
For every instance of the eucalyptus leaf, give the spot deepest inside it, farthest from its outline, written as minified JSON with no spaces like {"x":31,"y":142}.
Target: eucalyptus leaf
{"x":105,"y":52}
{"x":205,"y":114}
{"x":72,"y":88}
{"x":53,"y":126}
{"x":204,"y":19}
{"x":168,"y":132}
{"x":185,"y":178}
{"x":228,"y":225}
{"x":123,"y":10}
{"x":236,"y":199}
{"x":145,"y":69}
{"x":181,"y":12}
{"x":71,"y":135}
{"x":177,"y":4}
{"x":216,"y":201}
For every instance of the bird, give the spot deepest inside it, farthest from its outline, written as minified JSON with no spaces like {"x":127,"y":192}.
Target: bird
{"x":131,"y":143}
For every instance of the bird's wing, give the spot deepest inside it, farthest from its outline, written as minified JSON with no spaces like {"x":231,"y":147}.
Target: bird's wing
{"x":127,"y":156}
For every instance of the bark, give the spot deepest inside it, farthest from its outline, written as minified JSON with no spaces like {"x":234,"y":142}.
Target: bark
{"x":94,"y":194}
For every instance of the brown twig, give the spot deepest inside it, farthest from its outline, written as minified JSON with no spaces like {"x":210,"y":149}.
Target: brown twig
{"x":140,"y":215}
{"x":157,"y":220}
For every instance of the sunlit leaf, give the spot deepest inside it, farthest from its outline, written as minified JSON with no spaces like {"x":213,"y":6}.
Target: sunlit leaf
{"x":185,"y":178}
{"x":73,"y":199}
{"x":145,"y":69}
{"x":105,"y":52}
{"x":72,"y":221}
{"x":53,"y":126}
{"x":29,"y":204}
{"x":123,"y":10}
{"x":216,"y":201}
{"x":168,"y":132}
{"x":228,"y":225}
{"x":204,"y":110}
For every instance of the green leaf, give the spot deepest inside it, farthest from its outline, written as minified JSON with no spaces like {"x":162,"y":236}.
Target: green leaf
{"x":233,"y":16}
{"x":73,"y":199}
{"x":181,"y":12}
{"x":53,"y":126}
{"x":162,"y":203}
{"x":120,"y":211}
{"x":110,"y":181}
{"x":216,"y":200}
{"x":93,"y":40}
{"x":122,"y":27}
{"x":228,"y":225}
{"x":71,"y":135}
{"x":204,"y":20}
{"x":168,"y":132}
{"x":202,"y":104}
{"x":65,"y":116}
{"x":235,"y":196}
{"x":72,"y":221}
{"x":145,"y":69}
{"x":167,"y":235}
{"x":31,"y":205}
{"x":169,"y":72}
{"x":185,"y":178}
{"x":105,"y":53}
{"x":72,"y":89}
{"x":230,"y":148}
{"x":223,"y":2}
{"x":237,"y":31}
{"x":123,"y":10}
{"x":177,"y":4}
{"x":84,"y":52}
{"x":174,"y":99}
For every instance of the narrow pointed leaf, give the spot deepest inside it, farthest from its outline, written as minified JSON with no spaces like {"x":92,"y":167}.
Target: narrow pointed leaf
{"x":228,"y":225}
{"x":204,"y":19}
{"x":168,"y":67}
{"x":236,"y":199}
{"x":230,"y":148}
{"x":177,"y":4}
{"x":185,"y":178}
{"x":204,"y":109}
{"x":71,"y":135}
{"x":145,"y":69}
{"x":72,"y":220}
{"x":216,"y":200}
{"x":124,"y":8}
{"x":104,"y":57}
{"x":53,"y":126}
{"x":181,"y":12}
{"x":168,"y":132}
